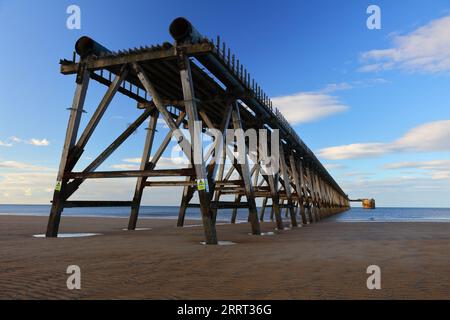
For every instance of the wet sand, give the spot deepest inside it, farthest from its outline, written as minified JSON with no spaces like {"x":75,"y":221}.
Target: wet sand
{"x":327,"y":260}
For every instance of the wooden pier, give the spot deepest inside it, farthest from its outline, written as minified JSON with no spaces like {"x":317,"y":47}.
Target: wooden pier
{"x":193,"y":80}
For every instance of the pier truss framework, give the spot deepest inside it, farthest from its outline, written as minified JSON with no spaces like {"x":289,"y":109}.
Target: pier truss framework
{"x":192,"y":80}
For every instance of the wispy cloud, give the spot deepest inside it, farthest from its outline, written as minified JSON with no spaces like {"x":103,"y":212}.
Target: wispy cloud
{"x":38,"y":142}
{"x":26,"y":187}
{"x":5,"y":144}
{"x":311,"y":106}
{"x":433,"y":136}
{"x":21,"y":166}
{"x":308,"y":106}
{"x":333,"y":87}
{"x":426,"y":49}
{"x":163,"y":162}
{"x":334,"y":166}
{"x":437,"y":169}
{"x":124,"y":166}
{"x":33,"y":141}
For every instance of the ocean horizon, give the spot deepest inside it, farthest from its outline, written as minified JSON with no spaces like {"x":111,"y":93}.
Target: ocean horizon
{"x":356,"y":214}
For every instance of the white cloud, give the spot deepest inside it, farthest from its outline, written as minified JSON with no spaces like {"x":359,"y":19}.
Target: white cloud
{"x":15,"y":139}
{"x":21,"y":166}
{"x":433,"y":136}
{"x":163,"y":162}
{"x":5,"y":144}
{"x":26,"y":187}
{"x":124,"y":166}
{"x":39,"y":143}
{"x":304,"y":107}
{"x":426,"y":49}
{"x":133,"y":160}
{"x":333,"y":87}
{"x":334,"y":166}
{"x":308,"y":106}
{"x":437,"y":169}
{"x":33,"y":141}
{"x":353,"y":151}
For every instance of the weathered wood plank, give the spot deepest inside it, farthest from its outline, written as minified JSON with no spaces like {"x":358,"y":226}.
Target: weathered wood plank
{"x":140,"y":184}
{"x":130,"y":174}
{"x":204,"y":193}
{"x":162,"y":54}
{"x":170,"y":183}
{"x":69,"y":142}
{"x":246,"y":176}
{"x":94,"y":203}
{"x":287,"y":186}
{"x":298,"y":187}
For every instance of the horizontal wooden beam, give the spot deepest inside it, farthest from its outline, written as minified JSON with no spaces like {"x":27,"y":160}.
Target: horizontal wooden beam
{"x":130,"y":174}
{"x":229,"y":182}
{"x":87,"y":204}
{"x":222,"y":205}
{"x":114,"y":60}
{"x":169,"y":183}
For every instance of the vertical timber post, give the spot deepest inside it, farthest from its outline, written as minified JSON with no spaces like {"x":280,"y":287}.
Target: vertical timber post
{"x":245,"y":173}
{"x":71,"y":135}
{"x":273,"y":185}
{"x":263,"y":208}
{"x":195,"y":130}
{"x":287,"y":186}
{"x":188,"y":193}
{"x":312,"y":204}
{"x":298,"y":187}
{"x":305,"y":192}
{"x":140,"y":184}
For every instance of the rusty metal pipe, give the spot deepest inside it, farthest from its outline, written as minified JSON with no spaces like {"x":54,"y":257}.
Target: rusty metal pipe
{"x":86,"y":46}
{"x":183,"y":31}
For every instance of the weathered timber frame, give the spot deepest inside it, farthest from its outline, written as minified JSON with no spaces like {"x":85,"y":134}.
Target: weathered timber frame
{"x":184,"y":84}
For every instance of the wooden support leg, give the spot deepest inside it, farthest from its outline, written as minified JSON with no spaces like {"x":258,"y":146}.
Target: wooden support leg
{"x":140,"y":184}
{"x":273,"y":183}
{"x":194,"y":152}
{"x":302,"y":212}
{"x":286,"y":211}
{"x":220,"y":177}
{"x":246,"y":175}
{"x":188,"y":193}
{"x":287,"y":187}
{"x":237,"y":200}
{"x":263,"y":208}
{"x":272,"y":212}
{"x":313,"y":202}
{"x":70,"y":140}
{"x":220,"y":146}
{"x":204,"y":193}
{"x":297,"y":174}
{"x":312,"y":216}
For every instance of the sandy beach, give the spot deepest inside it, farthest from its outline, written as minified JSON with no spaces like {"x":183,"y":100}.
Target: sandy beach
{"x":321,"y":261}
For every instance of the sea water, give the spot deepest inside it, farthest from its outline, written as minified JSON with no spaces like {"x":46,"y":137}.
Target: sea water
{"x":171,"y":212}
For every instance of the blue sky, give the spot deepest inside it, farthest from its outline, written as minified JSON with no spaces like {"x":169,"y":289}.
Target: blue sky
{"x":373,"y":104}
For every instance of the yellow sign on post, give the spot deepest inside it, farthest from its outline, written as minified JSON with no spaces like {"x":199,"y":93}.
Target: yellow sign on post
{"x":58,"y":186}
{"x":202,"y":184}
